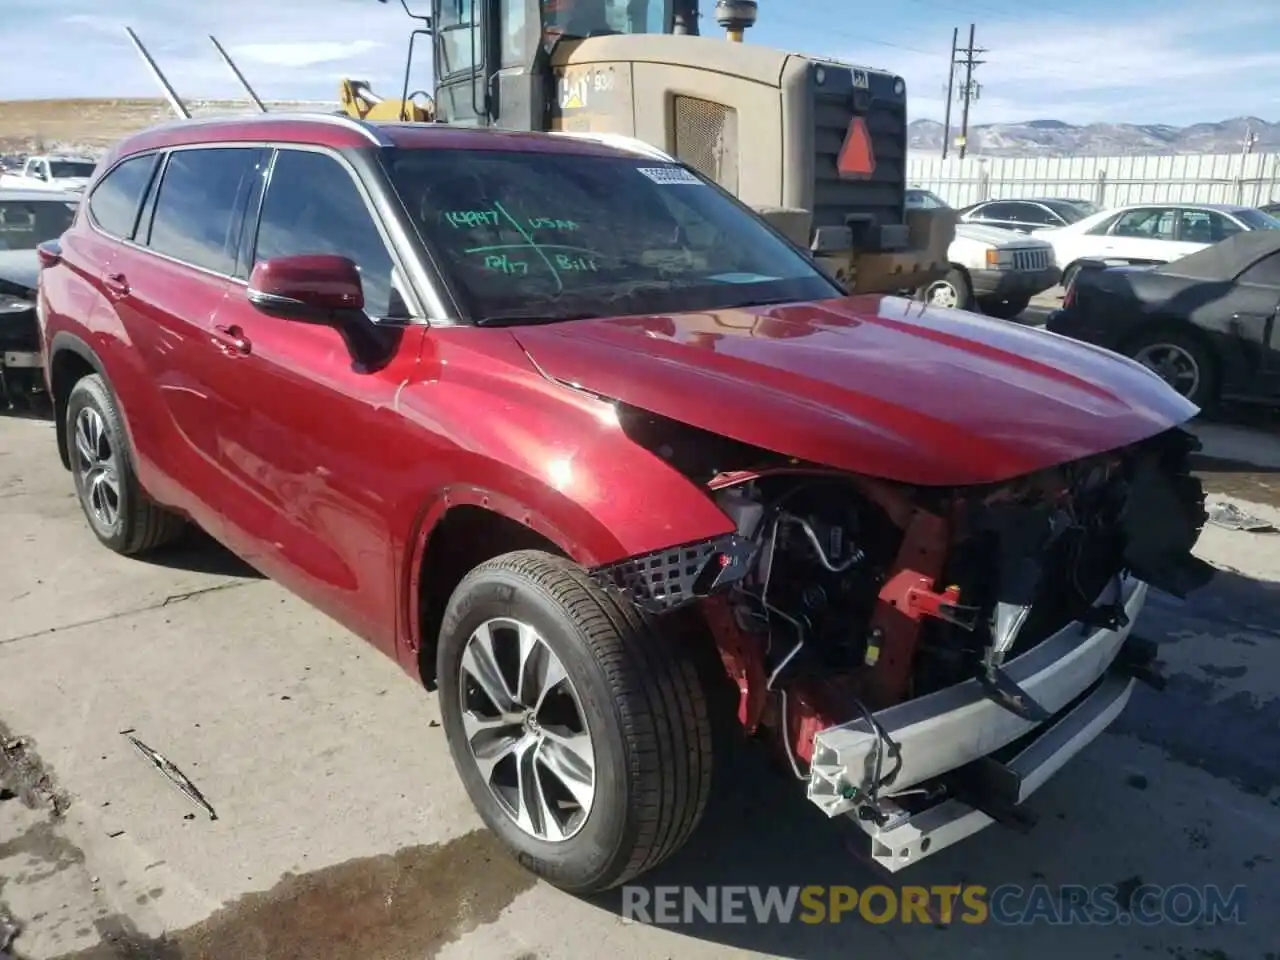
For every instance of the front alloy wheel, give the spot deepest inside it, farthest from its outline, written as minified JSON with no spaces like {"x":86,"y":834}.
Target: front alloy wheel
{"x":578,"y":724}
{"x":526,"y":729}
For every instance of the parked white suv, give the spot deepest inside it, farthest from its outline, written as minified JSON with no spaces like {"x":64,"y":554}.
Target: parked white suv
{"x":1149,"y":233}
{"x":997,"y":270}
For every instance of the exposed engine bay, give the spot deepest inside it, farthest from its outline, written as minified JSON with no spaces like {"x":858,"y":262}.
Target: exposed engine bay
{"x":841,"y":596}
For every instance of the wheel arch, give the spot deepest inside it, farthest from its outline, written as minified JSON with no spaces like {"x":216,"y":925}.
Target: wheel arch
{"x":70,"y":360}
{"x":468,"y":524}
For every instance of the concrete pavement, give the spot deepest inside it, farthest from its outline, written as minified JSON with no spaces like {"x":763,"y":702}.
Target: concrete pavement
{"x":342,"y":831}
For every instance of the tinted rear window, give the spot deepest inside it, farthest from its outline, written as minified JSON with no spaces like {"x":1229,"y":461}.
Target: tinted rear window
{"x":115,"y":199}
{"x":559,"y":235}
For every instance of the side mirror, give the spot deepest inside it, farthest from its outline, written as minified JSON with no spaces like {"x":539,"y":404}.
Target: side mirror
{"x":313,"y":287}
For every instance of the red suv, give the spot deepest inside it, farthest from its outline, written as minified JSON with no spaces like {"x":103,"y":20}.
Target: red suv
{"x":549,"y":420}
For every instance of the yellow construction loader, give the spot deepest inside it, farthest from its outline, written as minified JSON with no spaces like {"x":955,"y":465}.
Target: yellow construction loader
{"x":817,"y":146}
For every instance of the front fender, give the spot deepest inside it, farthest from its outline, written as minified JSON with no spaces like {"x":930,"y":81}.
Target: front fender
{"x":584,"y":485}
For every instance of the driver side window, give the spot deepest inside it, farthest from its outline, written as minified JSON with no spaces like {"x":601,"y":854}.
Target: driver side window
{"x":313,"y":206}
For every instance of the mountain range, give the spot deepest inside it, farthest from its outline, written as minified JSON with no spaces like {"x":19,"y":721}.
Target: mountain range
{"x":1054,"y":138}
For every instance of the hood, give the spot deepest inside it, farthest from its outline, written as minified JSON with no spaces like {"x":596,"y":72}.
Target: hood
{"x":19,"y":268}
{"x":881,"y":386}
{"x":994,"y":236}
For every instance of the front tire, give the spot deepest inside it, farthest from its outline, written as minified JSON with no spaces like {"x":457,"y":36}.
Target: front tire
{"x":121,"y":515}
{"x":579,"y":728}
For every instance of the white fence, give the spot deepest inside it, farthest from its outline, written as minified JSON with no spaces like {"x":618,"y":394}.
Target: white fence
{"x":1108,"y":181}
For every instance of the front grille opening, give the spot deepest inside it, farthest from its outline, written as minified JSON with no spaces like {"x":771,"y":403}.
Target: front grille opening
{"x":706,"y":138}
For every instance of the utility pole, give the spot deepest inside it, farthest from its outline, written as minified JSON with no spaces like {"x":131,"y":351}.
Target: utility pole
{"x":951,"y":91}
{"x":970,"y":90}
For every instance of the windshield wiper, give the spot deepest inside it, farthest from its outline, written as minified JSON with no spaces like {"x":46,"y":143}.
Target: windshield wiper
{"x":519,"y":317}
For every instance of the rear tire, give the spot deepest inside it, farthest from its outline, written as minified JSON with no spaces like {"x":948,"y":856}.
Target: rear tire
{"x":1068,"y":275}
{"x":120,"y":514}
{"x":635,"y":694}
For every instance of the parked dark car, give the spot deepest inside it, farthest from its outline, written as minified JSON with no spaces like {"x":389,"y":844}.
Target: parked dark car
{"x":27,"y":219}
{"x":1206,"y":323}
{"x":1025,"y":215}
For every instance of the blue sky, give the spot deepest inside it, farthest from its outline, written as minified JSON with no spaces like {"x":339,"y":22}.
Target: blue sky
{"x":1137,"y":61}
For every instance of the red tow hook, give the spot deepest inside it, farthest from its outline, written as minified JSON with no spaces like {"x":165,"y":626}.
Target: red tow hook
{"x":912,"y":594}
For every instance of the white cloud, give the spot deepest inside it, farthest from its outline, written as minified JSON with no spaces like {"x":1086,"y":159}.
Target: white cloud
{"x":1186,"y":65}
{"x":302,"y":54}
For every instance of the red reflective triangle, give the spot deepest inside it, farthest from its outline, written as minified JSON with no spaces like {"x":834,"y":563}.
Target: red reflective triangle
{"x":856,"y":158}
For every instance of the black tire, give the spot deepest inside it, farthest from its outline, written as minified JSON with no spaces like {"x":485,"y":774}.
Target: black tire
{"x":1005,"y":309}
{"x":139,"y":524}
{"x":640,"y":694}
{"x":1204,"y":394}
{"x":958,"y":281}
{"x":1069,"y":275}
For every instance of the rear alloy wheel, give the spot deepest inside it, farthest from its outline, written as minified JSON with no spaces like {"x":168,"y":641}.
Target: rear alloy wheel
{"x":579,"y":730}
{"x":952,"y":291}
{"x":1181,"y":361}
{"x":119,"y":512}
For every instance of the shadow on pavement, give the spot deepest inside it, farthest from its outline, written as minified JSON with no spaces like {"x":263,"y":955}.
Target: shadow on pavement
{"x":200,"y":553}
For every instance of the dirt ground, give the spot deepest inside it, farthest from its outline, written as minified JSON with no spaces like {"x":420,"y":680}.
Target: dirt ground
{"x":92,"y":125}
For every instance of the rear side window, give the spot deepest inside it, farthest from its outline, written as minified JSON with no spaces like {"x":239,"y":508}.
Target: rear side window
{"x":199,"y":209}
{"x":1033,"y":213}
{"x":313,"y":206}
{"x":115,"y":200}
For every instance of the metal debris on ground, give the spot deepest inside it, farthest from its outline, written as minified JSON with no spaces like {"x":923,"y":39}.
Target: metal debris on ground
{"x":176,"y":776}
{"x":9,"y":930}
{"x":1231,"y":517}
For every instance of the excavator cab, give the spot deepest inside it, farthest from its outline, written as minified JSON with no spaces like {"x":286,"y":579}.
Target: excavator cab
{"x":817,"y":146}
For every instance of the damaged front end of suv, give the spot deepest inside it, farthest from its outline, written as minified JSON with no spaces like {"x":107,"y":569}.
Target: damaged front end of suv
{"x":924,"y":658}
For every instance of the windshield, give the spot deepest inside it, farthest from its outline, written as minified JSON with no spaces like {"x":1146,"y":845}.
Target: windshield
{"x":25,"y":224}
{"x":587,"y":18}
{"x":1257,"y":220}
{"x":70,"y":168}
{"x":554,"y":236}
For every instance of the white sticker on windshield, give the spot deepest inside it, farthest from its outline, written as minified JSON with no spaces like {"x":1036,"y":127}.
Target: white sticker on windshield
{"x":670,"y":175}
